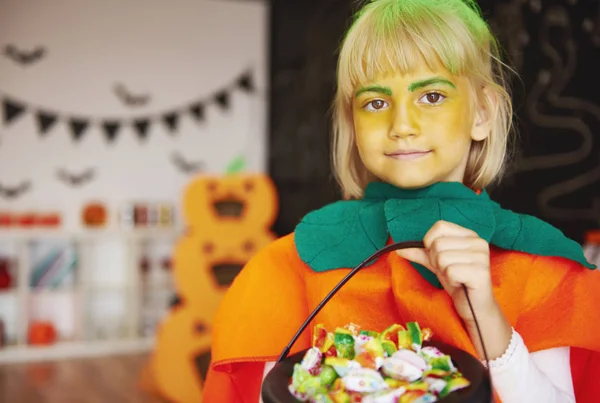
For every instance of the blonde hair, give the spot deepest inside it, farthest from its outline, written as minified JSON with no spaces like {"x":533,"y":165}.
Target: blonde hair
{"x":393,"y":35}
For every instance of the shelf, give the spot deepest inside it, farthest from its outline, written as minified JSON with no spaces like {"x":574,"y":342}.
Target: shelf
{"x":37,"y":234}
{"x":74,"y":349}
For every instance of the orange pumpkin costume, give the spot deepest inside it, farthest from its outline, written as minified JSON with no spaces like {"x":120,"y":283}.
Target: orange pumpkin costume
{"x":550,"y":301}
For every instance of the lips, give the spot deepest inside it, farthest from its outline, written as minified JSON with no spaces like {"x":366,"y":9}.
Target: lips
{"x":408,"y":154}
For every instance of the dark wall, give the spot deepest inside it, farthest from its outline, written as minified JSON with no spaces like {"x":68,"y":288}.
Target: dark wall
{"x":555,"y":47}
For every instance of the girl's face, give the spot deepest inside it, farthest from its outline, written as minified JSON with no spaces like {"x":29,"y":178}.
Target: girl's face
{"x":414,"y":130}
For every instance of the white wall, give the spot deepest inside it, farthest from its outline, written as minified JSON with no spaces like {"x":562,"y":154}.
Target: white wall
{"x":179,"y":53}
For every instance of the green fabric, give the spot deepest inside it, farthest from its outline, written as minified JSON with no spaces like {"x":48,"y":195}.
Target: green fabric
{"x":343,"y":234}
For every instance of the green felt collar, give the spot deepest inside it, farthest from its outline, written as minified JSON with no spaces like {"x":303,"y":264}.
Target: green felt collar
{"x":343,"y":234}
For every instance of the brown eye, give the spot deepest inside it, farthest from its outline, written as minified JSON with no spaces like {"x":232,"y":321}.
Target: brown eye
{"x":378,"y":104}
{"x":433,"y":98}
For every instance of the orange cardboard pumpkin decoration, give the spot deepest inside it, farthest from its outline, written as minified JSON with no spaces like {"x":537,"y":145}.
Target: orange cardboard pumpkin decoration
{"x":249,"y":200}
{"x":229,"y":220}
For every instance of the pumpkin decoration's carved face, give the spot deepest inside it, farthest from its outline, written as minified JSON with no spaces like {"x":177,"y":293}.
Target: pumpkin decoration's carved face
{"x":248,"y":198}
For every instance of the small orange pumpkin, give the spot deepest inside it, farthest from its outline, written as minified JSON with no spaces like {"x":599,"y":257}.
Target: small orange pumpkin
{"x":41,"y":333}
{"x":94,"y":215}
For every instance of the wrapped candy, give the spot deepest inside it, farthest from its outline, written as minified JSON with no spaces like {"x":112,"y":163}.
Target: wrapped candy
{"x":322,"y":339}
{"x":415,"y":335}
{"x":412,"y":358}
{"x":328,"y":375}
{"x":444,"y":363}
{"x":341,"y":365}
{"x":388,"y":396}
{"x":312,"y":361}
{"x":344,"y":343}
{"x":359,"y":365}
{"x":435,"y":385}
{"x":453,"y":385}
{"x":364,"y":380}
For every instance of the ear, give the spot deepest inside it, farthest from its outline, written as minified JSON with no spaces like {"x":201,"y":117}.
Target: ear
{"x":485,"y":114}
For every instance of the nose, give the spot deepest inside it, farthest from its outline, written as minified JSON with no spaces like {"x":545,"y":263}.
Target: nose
{"x":406,"y":122}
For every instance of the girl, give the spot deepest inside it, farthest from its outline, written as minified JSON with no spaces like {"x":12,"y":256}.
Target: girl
{"x":422,"y":119}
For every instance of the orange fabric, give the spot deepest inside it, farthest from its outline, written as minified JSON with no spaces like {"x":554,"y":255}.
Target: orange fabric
{"x":551,"y":302}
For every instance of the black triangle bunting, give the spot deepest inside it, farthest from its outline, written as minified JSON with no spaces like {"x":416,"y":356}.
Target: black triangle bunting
{"x":141,"y":128}
{"x":78,"y":127}
{"x":45,"y":121}
{"x":222,"y":99}
{"x":171,"y":120}
{"x":246,"y":83}
{"x":12,"y":110}
{"x":111,"y":130}
{"x":198,"y":111}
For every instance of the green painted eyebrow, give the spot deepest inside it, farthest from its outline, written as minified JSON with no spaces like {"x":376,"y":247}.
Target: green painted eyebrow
{"x":374,"y":88}
{"x":430,"y":81}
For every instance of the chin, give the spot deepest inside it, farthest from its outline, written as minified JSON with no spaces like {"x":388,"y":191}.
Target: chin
{"x":410,"y":182}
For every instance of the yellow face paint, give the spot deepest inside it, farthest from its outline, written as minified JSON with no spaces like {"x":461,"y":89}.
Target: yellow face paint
{"x":415,"y":129}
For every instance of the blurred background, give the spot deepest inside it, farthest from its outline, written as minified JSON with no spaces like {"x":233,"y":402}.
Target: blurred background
{"x":148,"y":150}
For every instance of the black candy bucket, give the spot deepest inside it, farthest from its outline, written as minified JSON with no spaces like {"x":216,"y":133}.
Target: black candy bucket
{"x":275,"y":385}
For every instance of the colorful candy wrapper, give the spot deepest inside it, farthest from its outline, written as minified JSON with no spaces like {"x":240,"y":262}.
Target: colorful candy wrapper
{"x":344,"y":343}
{"x":444,"y":363}
{"x":371,"y":333}
{"x":312,"y":361}
{"x":391,"y":396}
{"x":303,"y":397}
{"x":353,"y":328}
{"x":389,"y":347}
{"x":402,"y":370}
{"x":415,"y":335}
{"x":364,"y":380}
{"x":404,"y":340}
{"x":353,"y":365}
{"x":322,"y":398}
{"x":391,"y":333}
{"x":341,"y":365}
{"x":453,"y":385}
{"x":322,"y":339}
{"x":430,"y":352}
{"x":360,"y":341}
{"x":417,"y":396}
{"x":412,"y":358}
{"x":426,"y":398}
{"x":327,"y":375}
{"x":435,"y":385}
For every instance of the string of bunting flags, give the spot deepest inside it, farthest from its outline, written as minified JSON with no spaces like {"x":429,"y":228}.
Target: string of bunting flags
{"x":78,"y":125}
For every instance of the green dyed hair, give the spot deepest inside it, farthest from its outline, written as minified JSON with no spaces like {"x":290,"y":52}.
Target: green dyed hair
{"x":395,"y":36}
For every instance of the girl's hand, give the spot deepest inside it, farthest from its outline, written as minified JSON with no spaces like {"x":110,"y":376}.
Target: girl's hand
{"x":458,"y":256}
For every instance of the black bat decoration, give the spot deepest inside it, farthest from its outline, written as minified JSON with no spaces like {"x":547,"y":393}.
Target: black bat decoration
{"x":14,"y":191}
{"x":24,"y":57}
{"x":130,"y":99}
{"x":186,"y":166}
{"x":76,"y":180}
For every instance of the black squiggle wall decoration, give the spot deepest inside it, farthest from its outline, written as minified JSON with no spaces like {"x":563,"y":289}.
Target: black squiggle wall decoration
{"x":12,"y":192}
{"x":76,"y":180}
{"x":184,"y":166}
{"x":555,"y":83}
{"x":129,"y":99}
{"x":23,"y":57}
